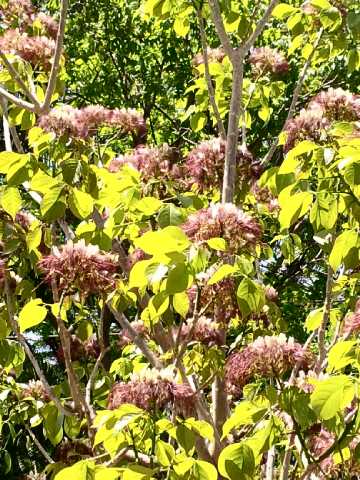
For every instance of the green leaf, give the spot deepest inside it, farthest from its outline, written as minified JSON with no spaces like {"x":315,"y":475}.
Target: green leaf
{"x":53,"y":421}
{"x":185,"y":437}
{"x":222,"y":272}
{"x":203,"y":471}
{"x":170,"y":215}
{"x":148,"y":205}
{"x":343,"y":244}
{"x":12,"y":354}
{"x":14,"y":165}
{"x":250,"y":297}
{"x":324,"y":212}
{"x":156,"y":272}
{"x":314,"y":319}
{"x":182,"y":26}
{"x":181,"y":303}
{"x":11,"y":201}
{"x":236,"y":462}
{"x":332,"y":395}
{"x":81,"y":204}
{"x":165,"y":453}
{"x":169,"y":239}
{"x":138,"y":274}
{"x":217,"y":244}
{"x":247,"y":412}
{"x":293,"y":207}
{"x":178,"y":279}
{"x":83,"y":470}
{"x":52,"y":205}
{"x":283,"y":10}
{"x":32,"y":314}
{"x":352,"y":173}
{"x":341,"y":355}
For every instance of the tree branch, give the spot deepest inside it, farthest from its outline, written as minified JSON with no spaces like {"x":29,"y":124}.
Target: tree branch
{"x":138,"y":340}
{"x":28,"y":351}
{"x":6,"y":128}
{"x":91,"y":381}
{"x":18,"y":101}
{"x":260,"y":26}
{"x":220,"y":28}
{"x":17,"y":78}
{"x":39,"y":446}
{"x":57,"y":56}
{"x":211,"y":91}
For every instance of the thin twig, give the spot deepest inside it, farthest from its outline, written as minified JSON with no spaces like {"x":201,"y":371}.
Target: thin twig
{"x":91,"y":381}
{"x":6,"y":128}
{"x":57,"y":56}
{"x":211,"y":91}
{"x":325,"y":319}
{"x":18,"y":101}
{"x":295,"y":96}
{"x":260,"y":25}
{"x":39,"y":446}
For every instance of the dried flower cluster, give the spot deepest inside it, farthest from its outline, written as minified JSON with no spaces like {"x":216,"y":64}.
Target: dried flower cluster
{"x":24,"y":219}
{"x":269,"y":356}
{"x":153,"y":390}
{"x":240,"y":231}
{"x":79,"y":349}
{"x":36,"y":50}
{"x":205,"y":165}
{"x":219,"y":299}
{"x":69,"y":452}
{"x":334,"y":104}
{"x":263,"y":195}
{"x":267,"y":60}
{"x":337,"y":104}
{"x":215,"y":55}
{"x":36,"y":390}
{"x":77,"y":266}
{"x":151,"y":162}
{"x":23,"y":15}
{"x":319,"y":443}
{"x":80,"y":123}
{"x":205,"y":331}
{"x":135,"y":256}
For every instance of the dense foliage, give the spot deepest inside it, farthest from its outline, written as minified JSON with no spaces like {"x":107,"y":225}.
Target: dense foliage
{"x":179,"y":239}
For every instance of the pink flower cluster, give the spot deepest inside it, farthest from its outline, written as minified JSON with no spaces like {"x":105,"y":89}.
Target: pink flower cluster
{"x":126,"y":338}
{"x":204,"y":165}
{"x":334,"y":104}
{"x":240,"y":231}
{"x":337,"y":104}
{"x":36,"y":50}
{"x":319,"y":443}
{"x":24,"y":219}
{"x":153,"y":390}
{"x":269,"y":356}
{"x":151,"y":162}
{"x":267,"y":60}
{"x":352,"y":321}
{"x":135,"y":256}
{"x":22,"y":14}
{"x":215,"y":55}
{"x":77,"y":266}
{"x":81,"y":123}
{"x":36,"y":390}
{"x":205,"y":331}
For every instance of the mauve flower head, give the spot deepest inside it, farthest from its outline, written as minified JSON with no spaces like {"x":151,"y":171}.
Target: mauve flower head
{"x":215,"y":55}
{"x":267,"y":357}
{"x":80,"y":123}
{"x":151,"y":162}
{"x":337,"y":105}
{"x":36,"y":390}
{"x":48,"y":23}
{"x":36,"y":50}
{"x":77,"y":350}
{"x":77,"y":266}
{"x":263,"y":195}
{"x":271,"y":293}
{"x":151,"y":390}
{"x":239,"y":230}
{"x":206,"y":331}
{"x":17,"y":13}
{"x":352,"y":322}
{"x":268,"y":60}
{"x":24,"y":219}
{"x":204,"y":165}
{"x":308,"y":125}
{"x":92,"y":347}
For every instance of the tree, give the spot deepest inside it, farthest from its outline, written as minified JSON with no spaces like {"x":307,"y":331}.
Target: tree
{"x":148,"y":291}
